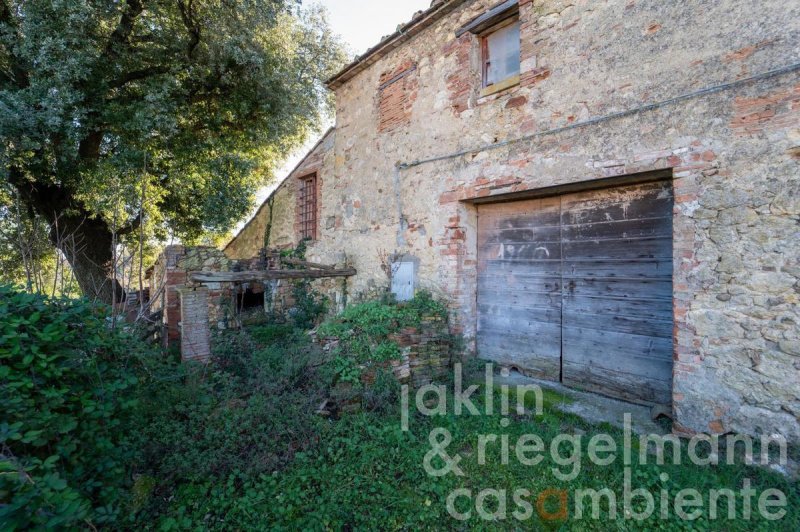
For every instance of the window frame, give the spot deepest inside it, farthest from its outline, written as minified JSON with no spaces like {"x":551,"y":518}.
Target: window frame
{"x":307,"y":206}
{"x":511,"y":81}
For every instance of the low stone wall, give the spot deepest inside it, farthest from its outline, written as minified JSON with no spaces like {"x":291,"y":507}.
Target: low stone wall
{"x":427,"y":352}
{"x":170,"y":274}
{"x":426,"y":357}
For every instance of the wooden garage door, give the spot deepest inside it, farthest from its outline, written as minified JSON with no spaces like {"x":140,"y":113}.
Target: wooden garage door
{"x":578,"y":288}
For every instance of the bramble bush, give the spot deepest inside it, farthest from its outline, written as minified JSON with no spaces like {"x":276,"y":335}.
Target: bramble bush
{"x":67,"y":396}
{"x":309,"y":305}
{"x":99,"y":430}
{"x":249,"y":413}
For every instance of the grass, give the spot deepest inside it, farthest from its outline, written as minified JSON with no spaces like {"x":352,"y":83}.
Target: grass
{"x":368,"y":473}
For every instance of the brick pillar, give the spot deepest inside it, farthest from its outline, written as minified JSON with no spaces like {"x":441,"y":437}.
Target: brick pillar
{"x":173,"y":279}
{"x":195,"y":343}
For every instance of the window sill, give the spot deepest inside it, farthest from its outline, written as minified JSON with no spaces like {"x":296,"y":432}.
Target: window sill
{"x":500,"y":86}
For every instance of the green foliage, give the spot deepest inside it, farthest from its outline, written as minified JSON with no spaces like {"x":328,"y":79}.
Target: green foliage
{"x":309,"y":305}
{"x":383,"y":394}
{"x":250,"y":414}
{"x":99,"y":431}
{"x":201,"y":100}
{"x":363,"y":332}
{"x":66,"y":400}
{"x":273,"y":333}
{"x":27,"y":257}
{"x":367,"y":474}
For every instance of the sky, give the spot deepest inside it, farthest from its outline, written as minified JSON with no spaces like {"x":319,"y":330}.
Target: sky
{"x":360,"y":24}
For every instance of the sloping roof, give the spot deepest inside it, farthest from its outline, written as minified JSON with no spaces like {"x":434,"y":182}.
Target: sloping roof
{"x":421,"y":20}
{"x":280,"y":184}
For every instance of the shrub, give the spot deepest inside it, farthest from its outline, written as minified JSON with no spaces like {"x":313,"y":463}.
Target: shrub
{"x":249,"y":413}
{"x":67,"y":398}
{"x":364,"y":333}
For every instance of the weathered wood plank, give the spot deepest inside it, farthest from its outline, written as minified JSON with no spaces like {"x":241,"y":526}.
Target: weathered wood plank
{"x":265,"y":275}
{"x":646,"y":227}
{"x":623,"y":248}
{"x":541,"y":359}
{"x":541,"y":323}
{"x":632,"y":288}
{"x":519,"y":286}
{"x":502,"y":268}
{"x":527,"y":284}
{"x":617,"y":292}
{"x":604,"y":321}
{"x":623,"y":203}
{"x":633,"y":388}
{"x":547,"y":233}
{"x":306,"y":264}
{"x":507,"y":312}
{"x":646,"y":268}
{"x":638,"y":354}
{"x":646,"y":308}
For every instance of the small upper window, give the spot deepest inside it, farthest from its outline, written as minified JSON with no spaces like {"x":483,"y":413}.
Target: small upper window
{"x":501,"y":54}
{"x":307,"y":207}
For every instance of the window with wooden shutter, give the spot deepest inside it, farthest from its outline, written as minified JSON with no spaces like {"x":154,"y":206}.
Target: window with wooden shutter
{"x":307,"y":207}
{"x":501,"y":53}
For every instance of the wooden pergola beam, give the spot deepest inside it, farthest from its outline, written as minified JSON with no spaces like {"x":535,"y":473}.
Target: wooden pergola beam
{"x":306,"y":264}
{"x":268,"y":275}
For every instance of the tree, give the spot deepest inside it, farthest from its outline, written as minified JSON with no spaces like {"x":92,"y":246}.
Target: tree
{"x":202,"y":97}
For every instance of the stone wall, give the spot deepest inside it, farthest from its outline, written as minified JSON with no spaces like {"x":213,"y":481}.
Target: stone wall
{"x":164,"y":279}
{"x":607,"y":88}
{"x":280,"y":208}
{"x":223,"y":301}
{"x":426,"y":356}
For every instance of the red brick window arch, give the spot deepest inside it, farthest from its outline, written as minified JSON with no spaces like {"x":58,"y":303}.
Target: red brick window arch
{"x":307,"y":207}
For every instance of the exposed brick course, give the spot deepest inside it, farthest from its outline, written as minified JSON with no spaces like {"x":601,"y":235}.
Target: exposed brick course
{"x":397,"y":93}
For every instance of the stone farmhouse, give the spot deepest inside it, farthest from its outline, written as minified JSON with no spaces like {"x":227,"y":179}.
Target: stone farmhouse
{"x":607,"y":192}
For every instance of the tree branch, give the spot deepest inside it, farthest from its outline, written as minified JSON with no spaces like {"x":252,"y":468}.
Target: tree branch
{"x":124,"y":29}
{"x":131,"y":227}
{"x":137,"y":75}
{"x":187,"y":15}
{"x":89,"y":147}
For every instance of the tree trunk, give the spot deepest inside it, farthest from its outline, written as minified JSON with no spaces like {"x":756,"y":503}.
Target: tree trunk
{"x":87,"y":245}
{"x":85,"y":241}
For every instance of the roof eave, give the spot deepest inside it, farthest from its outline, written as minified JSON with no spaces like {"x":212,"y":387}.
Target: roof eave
{"x":279,"y":185}
{"x":393,"y":41}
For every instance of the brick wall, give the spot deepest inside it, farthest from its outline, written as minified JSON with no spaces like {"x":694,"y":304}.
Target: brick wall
{"x":166,"y":276}
{"x":195,"y":338}
{"x":170,"y":275}
{"x":397,"y":92}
